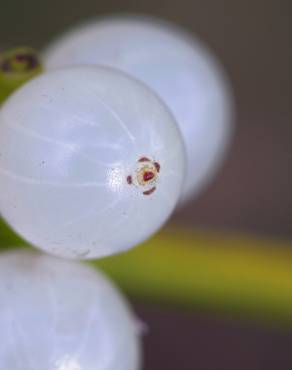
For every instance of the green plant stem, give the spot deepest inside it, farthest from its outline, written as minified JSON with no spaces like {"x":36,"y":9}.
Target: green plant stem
{"x":17,"y":66}
{"x":242,"y":276}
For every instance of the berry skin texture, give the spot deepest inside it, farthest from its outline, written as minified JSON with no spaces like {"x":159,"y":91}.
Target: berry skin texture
{"x":69,"y":141}
{"x":57,"y":315}
{"x":177,"y":66}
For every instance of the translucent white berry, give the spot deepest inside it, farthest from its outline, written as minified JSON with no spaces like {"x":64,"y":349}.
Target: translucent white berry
{"x":91,"y":162}
{"x":179,"y":68}
{"x":59,"y":315}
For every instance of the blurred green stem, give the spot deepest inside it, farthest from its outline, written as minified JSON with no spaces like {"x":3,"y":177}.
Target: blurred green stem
{"x":239,"y":275}
{"x":17,"y":66}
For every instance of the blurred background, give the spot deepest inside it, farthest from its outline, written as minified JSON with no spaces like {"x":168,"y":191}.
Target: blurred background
{"x":252,"y":192}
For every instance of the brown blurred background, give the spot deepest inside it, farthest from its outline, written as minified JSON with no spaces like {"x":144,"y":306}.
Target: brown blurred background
{"x":252,"y":192}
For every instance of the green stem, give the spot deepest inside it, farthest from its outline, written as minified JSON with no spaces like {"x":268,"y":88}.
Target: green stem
{"x":17,"y":66}
{"x":239,"y":275}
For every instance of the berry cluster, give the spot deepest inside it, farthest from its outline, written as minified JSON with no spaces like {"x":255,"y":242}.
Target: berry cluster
{"x":128,"y":120}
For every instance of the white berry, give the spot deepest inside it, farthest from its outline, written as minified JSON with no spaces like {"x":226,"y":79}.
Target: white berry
{"x":60,"y":315}
{"x":179,"y":68}
{"x":91,"y":162}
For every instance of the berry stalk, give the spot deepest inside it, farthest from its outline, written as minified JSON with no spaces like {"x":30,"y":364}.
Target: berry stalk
{"x":17,"y":66}
{"x":240,"y":276}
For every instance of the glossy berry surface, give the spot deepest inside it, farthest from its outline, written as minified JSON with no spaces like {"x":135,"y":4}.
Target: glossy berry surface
{"x":73,"y":176}
{"x":60,"y":315}
{"x":178,"y":67}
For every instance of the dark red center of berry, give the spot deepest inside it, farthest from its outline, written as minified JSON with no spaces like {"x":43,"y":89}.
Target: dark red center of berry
{"x":148,"y":175}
